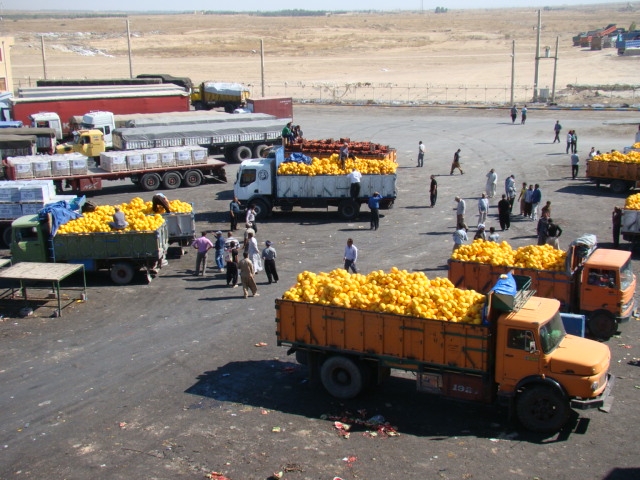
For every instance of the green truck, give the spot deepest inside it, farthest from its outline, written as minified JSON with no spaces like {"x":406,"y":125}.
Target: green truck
{"x":122,"y":253}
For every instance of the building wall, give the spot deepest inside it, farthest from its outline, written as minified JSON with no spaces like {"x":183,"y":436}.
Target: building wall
{"x":6,"y":75}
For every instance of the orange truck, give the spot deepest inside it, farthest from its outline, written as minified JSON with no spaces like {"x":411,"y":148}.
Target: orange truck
{"x":520,"y":356}
{"x":620,"y":176}
{"x":597,"y":282}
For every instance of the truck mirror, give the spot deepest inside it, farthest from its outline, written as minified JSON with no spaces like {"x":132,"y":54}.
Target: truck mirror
{"x":532,"y":347}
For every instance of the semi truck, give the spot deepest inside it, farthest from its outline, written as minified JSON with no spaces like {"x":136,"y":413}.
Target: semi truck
{"x":66,"y":102}
{"x":121,"y":253}
{"x":237,"y":141}
{"x":45,"y":137}
{"x":596,"y":282}
{"x":17,"y":145}
{"x":519,"y":356}
{"x":229,"y":96}
{"x":258,"y":183}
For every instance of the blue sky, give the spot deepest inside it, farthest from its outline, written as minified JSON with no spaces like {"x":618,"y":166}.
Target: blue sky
{"x":253,"y":5}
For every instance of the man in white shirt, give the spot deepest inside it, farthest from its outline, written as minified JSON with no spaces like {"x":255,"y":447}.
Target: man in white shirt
{"x":354,"y":178}
{"x":350,"y":256}
{"x":460,"y":210}
{"x":421,"y":150}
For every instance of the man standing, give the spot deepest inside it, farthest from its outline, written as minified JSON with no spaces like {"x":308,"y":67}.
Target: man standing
{"x":459,"y":237}
{"x":219,"y":250}
{"x":514,"y":114}
{"x":510,"y":190}
{"x":492,"y":183}
{"x":343,"y":154}
{"x":556,"y":130}
{"x":247,"y":276}
{"x":524,"y":115}
{"x":251,"y":218}
{"x":203,"y":245}
{"x":433,"y":191}
{"x":536,"y":198}
{"x":483,"y":208}
{"x":460,"y":211}
{"x":421,"y":150}
{"x":542,"y":229}
{"x":456,"y":163}
{"x":350,"y":256}
{"x":575,"y":165}
{"x":234,"y":213}
{"x":553,"y":234}
{"x":269,"y":257}
{"x":354,"y":179}
{"x":374,"y":206}
{"x":503,"y":213}
{"x":616,"y":221}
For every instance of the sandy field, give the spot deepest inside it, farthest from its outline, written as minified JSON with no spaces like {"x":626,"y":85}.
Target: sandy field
{"x":304,"y":56}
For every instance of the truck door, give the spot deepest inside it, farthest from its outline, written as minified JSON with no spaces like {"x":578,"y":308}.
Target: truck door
{"x":521,"y":355}
{"x":27,"y":245}
{"x":600,"y":291}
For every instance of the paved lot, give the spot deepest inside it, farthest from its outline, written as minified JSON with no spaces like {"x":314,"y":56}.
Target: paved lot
{"x":165,"y":380}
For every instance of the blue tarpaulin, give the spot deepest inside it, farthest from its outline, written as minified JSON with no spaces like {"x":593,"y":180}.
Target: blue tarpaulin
{"x":299,"y":158}
{"x":506,"y":285}
{"x":61,"y":213}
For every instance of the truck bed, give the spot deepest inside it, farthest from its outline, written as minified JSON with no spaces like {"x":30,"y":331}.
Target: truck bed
{"x":613,"y":170}
{"x":333,"y":186}
{"x":401,"y":341}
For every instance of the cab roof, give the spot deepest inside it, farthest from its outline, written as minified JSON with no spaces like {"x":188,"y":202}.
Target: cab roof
{"x":606,"y":258}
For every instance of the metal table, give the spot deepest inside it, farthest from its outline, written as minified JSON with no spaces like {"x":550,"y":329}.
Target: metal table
{"x":43,"y":272}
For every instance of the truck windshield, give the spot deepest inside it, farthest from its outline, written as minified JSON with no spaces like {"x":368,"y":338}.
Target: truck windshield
{"x":552,"y":333}
{"x":626,"y":275}
{"x":247,"y":177}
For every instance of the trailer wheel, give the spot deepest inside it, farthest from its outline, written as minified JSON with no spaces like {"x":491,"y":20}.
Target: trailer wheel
{"x":262,"y":208}
{"x":341,"y":377}
{"x":542,"y":409}
{"x":192,"y":178}
{"x":260,"y":151}
{"x":602,"y":324}
{"x":242,"y":153}
{"x":122,"y":273}
{"x":619,"y":186}
{"x":171,"y":180}
{"x":150,"y":182}
{"x":6,"y":236}
{"x":348,"y":209}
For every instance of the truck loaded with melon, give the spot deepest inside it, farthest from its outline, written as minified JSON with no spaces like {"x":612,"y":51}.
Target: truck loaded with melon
{"x":61,"y":236}
{"x":507,"y":348}
{"x":621,"y":171}
{"x":596,"y":282}
{"x":276,"y":181}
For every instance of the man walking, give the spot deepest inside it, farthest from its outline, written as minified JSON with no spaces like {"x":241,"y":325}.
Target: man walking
{"x":459,"y":237}
{"x":460,"y":211}
{"x":269,"y":257}
{"x":219,"y":250}
{"x":234,"y":213}
{"x":483,"y":208}
{"x":510,"y":190}
{"x":536,"y":198}
{"x":504,"y":216}
{"x":421,"y":150}
{"x":247,"y":276}
{"x":350,"y":256}
{"x":456,"y":163}
{"x":556,"y":130}
{"x":514,"y":114}
{"x":203,"y":245}
{"x":575,"y":165}
{"x":433,"y":191}
{"x":492,"y":183}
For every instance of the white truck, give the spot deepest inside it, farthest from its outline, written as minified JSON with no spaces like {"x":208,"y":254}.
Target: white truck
{"x":258,"y":183}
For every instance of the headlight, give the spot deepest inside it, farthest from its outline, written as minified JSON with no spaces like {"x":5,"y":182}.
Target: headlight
{"x":594,"y":386}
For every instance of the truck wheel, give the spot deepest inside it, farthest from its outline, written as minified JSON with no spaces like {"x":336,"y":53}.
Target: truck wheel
{"x":192,"y":178}
{"x":602,"y":324}
{"x":348,"y":209}
{"x":341,"y":377}
{"x":122,"y":273}
{"x":542,"y":409}
{"x":302,"y":357}
{"x":150,"y":182}
{"x":259,"y":151}
{"x":171,"y":180}
{"x":619,"y":186}
{"x":242,"y":153}
{"x":6,"y":236}
{"x":262,"y":209}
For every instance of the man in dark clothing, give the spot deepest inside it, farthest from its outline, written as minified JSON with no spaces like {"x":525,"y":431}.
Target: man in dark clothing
{"x":553,"y":234}
{"x":542,"y":230}
{"x":234,"y":213}
{"x":503,"y":213}
{"x":616,"y":220}
{"x":433,"y":191}
{"x":159,"y":200}
{"x":556,"y":130}
{"x":374,"y":205}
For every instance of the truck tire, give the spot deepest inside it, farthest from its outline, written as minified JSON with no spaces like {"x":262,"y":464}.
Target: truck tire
{"x":6,"y":236}
{"x":150,"y":182}
{"x":192,"y":178}
{"x":619,"y":186}
{"x":348,"y":209}
{"x":122,"y":273}
{"x":262,"y":210}
{"x":341,"y":377}
{"x":259,"y":150}
{"x":242,"y":153}
{"x":602,"y":324}
{"x":171,"y":180}
{"x":541,"y":408}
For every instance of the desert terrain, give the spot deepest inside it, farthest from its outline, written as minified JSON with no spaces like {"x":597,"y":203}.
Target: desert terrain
{"x":406,"y":55}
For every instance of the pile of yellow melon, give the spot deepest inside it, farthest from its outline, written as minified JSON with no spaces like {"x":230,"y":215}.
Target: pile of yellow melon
{"x":398,"y":292}
{"x":539,"y":257}
{"x":177,"y":206}
{"x":137,"y":212}
{"x":333,"y":166}
{"x":631,"y":157}
{"x":632,"y":202}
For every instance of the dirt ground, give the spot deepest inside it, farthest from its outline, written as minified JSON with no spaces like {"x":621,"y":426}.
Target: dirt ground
{"x":460,"y":47}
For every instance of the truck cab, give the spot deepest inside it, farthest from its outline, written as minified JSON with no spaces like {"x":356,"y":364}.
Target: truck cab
{"x":103,"y":121}
{"x":48,"y":120}
{"x":28,"y":240}
{"x":89,"y":143}
{"x":255,"y":180}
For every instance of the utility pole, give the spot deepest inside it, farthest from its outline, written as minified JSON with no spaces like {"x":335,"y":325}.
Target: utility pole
{"x":535,"y":79}
{"x":129,"y":49}
{"x":513,"y":69}
{"x":262,"y":65}
{"x":555,"y":69}
{"x":44,"y":58}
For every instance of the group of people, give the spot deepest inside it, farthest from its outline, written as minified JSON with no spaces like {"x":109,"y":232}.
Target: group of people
{"x":291,"y":133}
{"x":514,"y":114}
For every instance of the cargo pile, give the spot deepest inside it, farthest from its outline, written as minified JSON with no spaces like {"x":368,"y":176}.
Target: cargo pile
{"x":40,"y":166}
{"x":397,"y":292}
{"x":538,"y":257}
{"x":333,"y":166}
{"x":619,"y":157}
{"x":137,"y":212}
{"x":324,"y":148}
{"x":632,"y":202}
{"x":150,"y":158}
{"x":19,"y":198}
